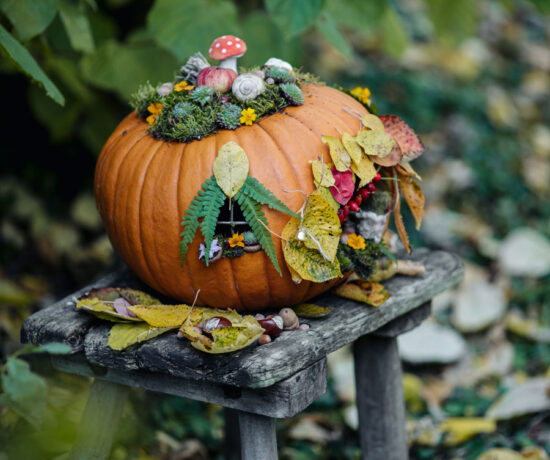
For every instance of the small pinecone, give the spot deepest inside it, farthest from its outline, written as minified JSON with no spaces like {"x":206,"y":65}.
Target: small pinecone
{"x":229,"y":116}
{"x":182,"y":109}
{"x":192,"y":67}
{"x":292,"y":93}
{"x":202,"y":95}
{"x":279,"y":75}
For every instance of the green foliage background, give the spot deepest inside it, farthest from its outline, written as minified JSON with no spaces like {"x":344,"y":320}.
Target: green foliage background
{"x":471,"y":76}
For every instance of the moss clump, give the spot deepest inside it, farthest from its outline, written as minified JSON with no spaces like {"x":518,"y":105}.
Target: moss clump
{"x":268,"y":102}
{"x":229,"y":116}
{"x":292,"y":94}
{"x":202,"y":95}
{"x":362,"y":261}
{"x":143,"y":97}
{"x":237,"y":251}
{"x":279,"y":75}
{"x":249,"y":238}
{"x":182,"y":109}
{"x":379,"y":203}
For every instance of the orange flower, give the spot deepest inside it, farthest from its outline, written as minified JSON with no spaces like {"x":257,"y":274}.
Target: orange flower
{"x":183,"y":85}
{"x":356,"y":241}
{"x":236,"y":240}
{"x":154,"y":110}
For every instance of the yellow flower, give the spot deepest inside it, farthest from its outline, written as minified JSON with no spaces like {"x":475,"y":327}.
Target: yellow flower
{"x":356,"y":241}
{"x":154,"y":110}
{"x":248,"y":116}
{"x":362,"y":94}
{"x":183,"y":85}
{"x":236,"y":240}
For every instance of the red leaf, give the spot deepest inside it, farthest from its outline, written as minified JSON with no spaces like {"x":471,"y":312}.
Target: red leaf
{"x":408,"y":140}
{"x":343,"y":187}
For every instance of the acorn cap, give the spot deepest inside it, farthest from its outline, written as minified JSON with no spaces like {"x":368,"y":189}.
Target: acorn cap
{"x":226,"y":46}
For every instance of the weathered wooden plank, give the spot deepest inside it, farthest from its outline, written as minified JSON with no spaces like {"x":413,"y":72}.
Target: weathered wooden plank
{"x":99,"y":421}
{"x":263,"y":366}
{"x":283,"y":399}
{"x":380,"y":401}
{"x":232,"y":440}
{"x":258,"y":439}
{"x":405,"y":322}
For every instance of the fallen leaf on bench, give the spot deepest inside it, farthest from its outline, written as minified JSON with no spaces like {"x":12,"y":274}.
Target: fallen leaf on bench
{"x":310,"y":310}
{"x":125,"y":335}
{"x":165,"y":315}
{"x":104,"y":310}
{"x":365,"y":291}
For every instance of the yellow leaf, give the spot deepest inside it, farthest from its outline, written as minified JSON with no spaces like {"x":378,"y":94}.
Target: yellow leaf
{"x":404,"y":168}
{"x":372,"y":122}
{"x":123,"y":336}
{"x":327,"y":195}
{"x":365,"y":171}
{"x":338,"y":153}
{"x":309,"y":264}
{"x":163,"y":315}
{"x":375,"y":143}
{"x":321,"y":226}
{"x":392,"y":159}
{"x":400,"y":226}
{"x":187,"y":329}
{"x":104,"y":310}
{"x":322,"y":174}
{"x":231,"y":168}
{"x":460,"y":429}
{"x":352,"y":147}
{"x":500,"y":453}
{"x":414,"y":198}
{"x":297,"y":279}
{"x":367,"y":292}
{"x":412,"y":391}
{"x":383,"y":270}
{"x":310,"y":310}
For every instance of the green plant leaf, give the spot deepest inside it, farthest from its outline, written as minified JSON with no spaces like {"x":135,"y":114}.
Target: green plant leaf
{"x":186,"y":26}
{"x":360,"y":15}
{"x":453,"y":21}
{"x":76,"y":25}
{"x":257,"y":191}
{"x":394,"y":36}
{"x":213,"y":199}
{"x":123,"y":336}
{"x":54,"y":348}
{"x":29,"y":17}
{"x":24,"y":60}
{"x":294,"y":16}
{"x":253,"y":214}
{"x":332,"y":34}
{"x":24,"y":391}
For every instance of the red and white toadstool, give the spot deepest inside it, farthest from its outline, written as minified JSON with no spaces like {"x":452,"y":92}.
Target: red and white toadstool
{"x":227,"y":49}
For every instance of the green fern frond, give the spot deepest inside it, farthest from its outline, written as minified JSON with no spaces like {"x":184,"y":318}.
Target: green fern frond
{"x":253,"y":214}
{"x":213,"y":198}
{"x":257,"y":191}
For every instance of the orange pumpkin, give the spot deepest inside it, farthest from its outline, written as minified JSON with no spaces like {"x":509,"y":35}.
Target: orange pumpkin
{"x":143,"y":187}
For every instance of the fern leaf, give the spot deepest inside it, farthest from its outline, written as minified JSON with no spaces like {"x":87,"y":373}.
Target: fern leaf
{"x":253,"y":214}
{"x":257,"y":191}
{"x":213,"y":200}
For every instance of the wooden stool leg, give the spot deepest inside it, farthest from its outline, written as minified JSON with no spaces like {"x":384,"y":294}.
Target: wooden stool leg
{"x":232,"y":445}
{"x":380,"y":401}
{"x":99,"y":421}
{"x":258,"y":439}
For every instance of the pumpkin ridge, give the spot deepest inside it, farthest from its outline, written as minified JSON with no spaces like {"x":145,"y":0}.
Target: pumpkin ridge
{"x":324,"y":114}
{"x":338,"y":114}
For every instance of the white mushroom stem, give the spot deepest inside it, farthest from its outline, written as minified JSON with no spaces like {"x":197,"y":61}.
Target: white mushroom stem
{"x":230,"y":63}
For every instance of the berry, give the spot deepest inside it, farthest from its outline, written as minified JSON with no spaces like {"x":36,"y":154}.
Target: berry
{"x":364,"y":193}
{"x":377,"y":178}
{"x":358,"y":199}
{"x":346,"y":210}
{"x":371,"y":187}
{"x":341,"y":215}
{"x":354,"y":206}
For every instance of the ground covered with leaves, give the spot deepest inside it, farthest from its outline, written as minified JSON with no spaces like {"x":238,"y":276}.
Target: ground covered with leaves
{"x":476,"y":373}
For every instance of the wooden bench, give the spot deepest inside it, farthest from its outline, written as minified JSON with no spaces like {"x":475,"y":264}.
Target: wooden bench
{"x":258,"y":384}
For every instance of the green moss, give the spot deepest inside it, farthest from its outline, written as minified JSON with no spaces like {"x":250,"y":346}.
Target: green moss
{"x":268,"y":102}
{"x":379,"y":203}
{"x":362,"y":261}
{"x":145,"y":95}
{"x":229,"y":116}
{"x":237,"y":251}
{"x":182,"y":109}
{"x":292,"y":94}
{"x":279,"y":75}
{"x":304,"y":78}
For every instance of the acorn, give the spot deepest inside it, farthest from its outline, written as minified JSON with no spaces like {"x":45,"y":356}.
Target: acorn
{"x":273,"y":325}
{"x":265,"y":339}
{"x":290,"y":320}
{"x":216,"y":322}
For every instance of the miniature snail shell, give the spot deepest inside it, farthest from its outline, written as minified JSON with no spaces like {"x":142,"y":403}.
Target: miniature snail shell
{"x":247,"y":86}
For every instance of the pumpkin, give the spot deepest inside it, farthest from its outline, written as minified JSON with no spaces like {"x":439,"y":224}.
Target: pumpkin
{"x":144,"y":185}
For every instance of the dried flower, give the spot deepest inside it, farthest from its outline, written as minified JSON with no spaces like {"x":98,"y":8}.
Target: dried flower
{"x":356,"y":241}
{"x":183,"y":85}
{"x":361,"y":94}
{"x":248,"y":116}
{"x":237,"y":239}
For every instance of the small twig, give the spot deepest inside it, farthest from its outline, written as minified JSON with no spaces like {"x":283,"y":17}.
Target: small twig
{"x":271,"y":231}
{"x":352,"y":112}
{"x":319,"y":247}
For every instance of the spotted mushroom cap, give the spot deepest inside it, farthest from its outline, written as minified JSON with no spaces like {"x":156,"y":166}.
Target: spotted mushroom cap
{"x":226,"y":46}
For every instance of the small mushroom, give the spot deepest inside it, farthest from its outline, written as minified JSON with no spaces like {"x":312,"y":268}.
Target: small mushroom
{"x":227,"y":49}
{"x":290,"y":320}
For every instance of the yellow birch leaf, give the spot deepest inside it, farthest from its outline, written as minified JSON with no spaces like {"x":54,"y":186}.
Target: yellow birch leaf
{"x":231,"y":168}
{"x":372,"y":122}
{"x":500,"y":453}
{"x":400,"y":226}
{"x":327,"y":195}
{"x":404,"y":168}
{"x":296,"y":279}
{"x":460,"y":429}
{"x":365,"y":171}
{"x":375,"y":143}
{"x":392,"y":159}
{"x":230,"y":314}
{"x":321,"y":226}
{"x":164,"y":315}
{"x":310,"y":310}
{"x":188,"y":331}
{"x":352,"y":147}
{"x":338,"y":153}
{"x":322,"y":174}
{"x":414,"y":198}
{"x":366,"y":291}
{"x":104,"y":310}
{"x":123,"y":336}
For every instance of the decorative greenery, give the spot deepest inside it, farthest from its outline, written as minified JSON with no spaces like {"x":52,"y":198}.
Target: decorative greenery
{"x":249,"y":238}
{"x":202,"y":95}
{"x":257,"y":192}
{"x":279,"y":75}
{"x":228,"y":116}
{"x":360,"y":260}
{"x":292,"y":94}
